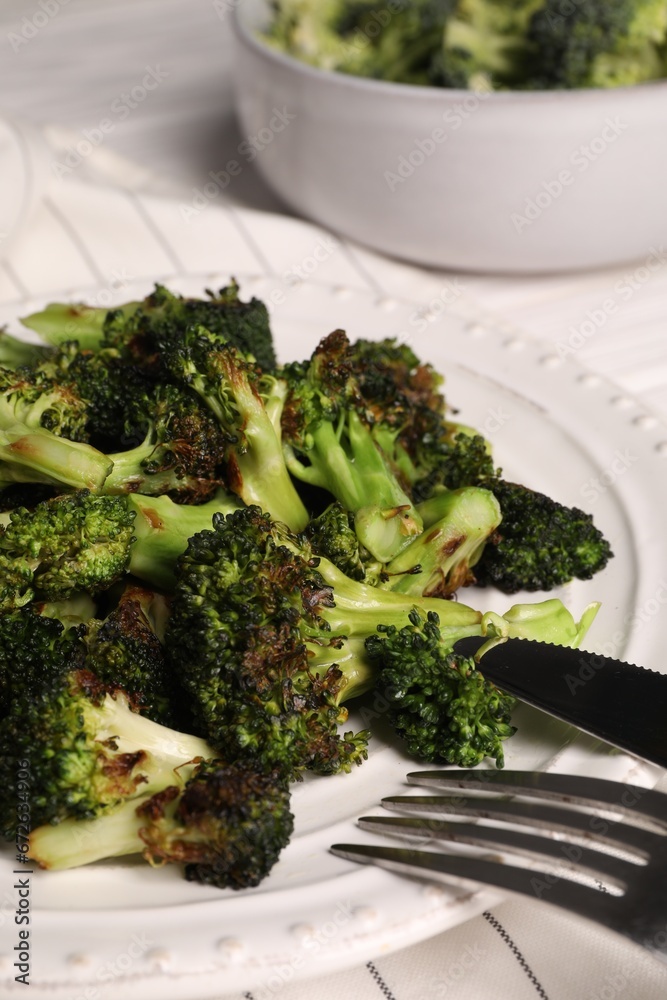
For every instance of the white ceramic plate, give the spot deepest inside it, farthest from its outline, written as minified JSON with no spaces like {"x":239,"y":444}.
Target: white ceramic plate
{"x":124,"y":929}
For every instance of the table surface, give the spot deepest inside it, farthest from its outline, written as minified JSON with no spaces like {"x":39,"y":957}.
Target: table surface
{"x":63,"y":66}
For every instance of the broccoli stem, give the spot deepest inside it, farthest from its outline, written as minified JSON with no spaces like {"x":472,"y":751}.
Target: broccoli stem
{"x":447,"y":550}
{"x":385,"y":518}
{"x":162,"y":529}
{"x":35,"y":455}
{"x":15,"y":353}
{"x":359,"y":607}
{"x":167,"y":749}
{"x":80,"y":842}
{"x":263,"y":475}
{"x":63,"y":321}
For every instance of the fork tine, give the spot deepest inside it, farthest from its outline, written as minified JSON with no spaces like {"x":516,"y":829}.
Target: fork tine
{"x":536,"y":815}
{"x":569,"y":856}
{"x":587,"y":902}
{"x":629,"y":800}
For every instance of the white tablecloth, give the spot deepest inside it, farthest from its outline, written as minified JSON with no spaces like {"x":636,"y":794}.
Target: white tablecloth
{"x":112,"y":216}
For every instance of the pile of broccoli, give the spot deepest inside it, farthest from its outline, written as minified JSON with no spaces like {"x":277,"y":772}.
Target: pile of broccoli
{"x":480,"y":44}
{"x":206,"y":555}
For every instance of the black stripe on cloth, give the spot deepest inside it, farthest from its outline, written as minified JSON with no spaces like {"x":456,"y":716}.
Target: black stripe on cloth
{"x":497,"y":926}
{"x":382,"y":986}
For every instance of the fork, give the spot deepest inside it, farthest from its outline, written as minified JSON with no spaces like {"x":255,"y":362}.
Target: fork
{"x":627,"y":894}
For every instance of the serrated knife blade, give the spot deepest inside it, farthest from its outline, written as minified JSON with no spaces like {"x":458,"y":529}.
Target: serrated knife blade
{"x":617,"y":702}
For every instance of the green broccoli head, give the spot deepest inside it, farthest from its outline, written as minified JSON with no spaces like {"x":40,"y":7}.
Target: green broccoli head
{"x":328,"y":435}
{"x":357,"y":37}
{"x":247,"y":406}
{"x":332,"y":534}
{"x":87,"y":749}
{"x":439,"y":703}
{"x":134,"y":331}
{"x":32,"y":648}
{"x":254,"y":652}
{"x":163,"y":316}
{"x":600,"y":43}
{"x":124,"y":651}
{"x":227,"y":823}
{"x":32,"y":399}
{"x":73,"y":542}
{"x":540,"y":544}
{"x":111,"y":388}
{"x":228,"y":826}
{"x":183,"y":455}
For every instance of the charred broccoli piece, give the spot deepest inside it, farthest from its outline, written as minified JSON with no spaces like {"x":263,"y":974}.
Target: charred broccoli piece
{"x":136,"y":330}
{"x":183,"y":455}
{"x":227,"y":823}
{"x":328,"y":437}
{"x":247,"y":405}
{"x":125,"y":649}
{"x":540,"y":544}
{"x":269,"y":641}
{"x":445,"y":556}
{"x":439,"y":702}
{"x":88,"y":750}
{"x":82,"y":541}
{"x":36,"y":416}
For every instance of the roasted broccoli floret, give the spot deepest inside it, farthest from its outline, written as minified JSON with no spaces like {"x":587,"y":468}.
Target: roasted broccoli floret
{"x":82,"y":541}
{"x":227,"y":824}
{"x":443,"y":558}
{"x":36,"y":415}
{"x":332,"y":535}
{"x":113,"y":392}
{"x":183,"y":455}
{"x":247,"y":405}
{"x":539,"y":544}
{"x":269,"y":640}
{"x":125,"y":649}
{"x":329,"y":443}
{"x":600,"y":43}
{"x":439,"y":702}
{"x":88,"y":750}
{"x":137,"y":329}
{"x":30,"y":648}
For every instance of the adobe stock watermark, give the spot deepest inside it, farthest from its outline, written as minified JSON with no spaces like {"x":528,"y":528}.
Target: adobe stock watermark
{"x":116,"y":968}
{"x":246,"y":151}
{"x":456,"y":971}
{"x":313,"y":941}
{"x":624,"y":290}
{"x":580,"y":161}
{"x":633,"y":621}
{"x":598,"y":485}
{"x":224,"y":7}
{"x":120,"y":109}
{"x":33,"y":23}
{"x":423,"y":149}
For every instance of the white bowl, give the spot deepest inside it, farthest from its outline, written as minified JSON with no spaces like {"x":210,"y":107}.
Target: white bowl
{"x":528,"y":182}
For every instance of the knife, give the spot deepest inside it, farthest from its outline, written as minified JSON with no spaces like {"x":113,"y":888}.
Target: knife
{"x":618,"y":702}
